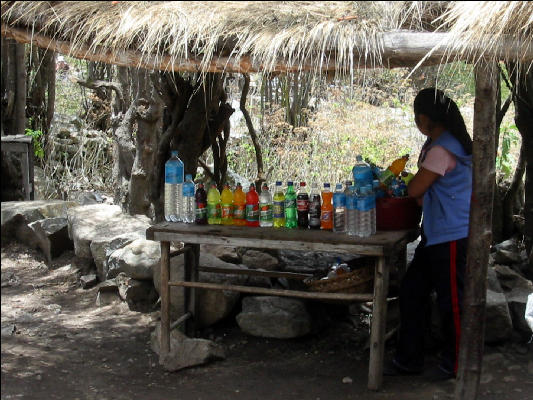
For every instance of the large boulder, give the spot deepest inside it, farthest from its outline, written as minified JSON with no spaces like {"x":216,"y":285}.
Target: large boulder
{"x":516,"y":289}
{"x":259,"y":259}
{"x":225,"y":253}
{"x":140,"y":295}
{"x":309,"y":262}
{"x":498,"y":322}
{"x":274,"y":317}
{"x":100,"y":222}
{"x":213,"y":305}
{"x":101,"y":249}
{"x":186,"y":352}
{"x":16,"y":215}
{"x":52,"y":236}
{"x":136,"y":260}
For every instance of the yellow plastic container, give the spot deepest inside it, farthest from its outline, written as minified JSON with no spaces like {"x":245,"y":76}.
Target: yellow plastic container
{"x":239,"y":206}
{"x":226,"y":199}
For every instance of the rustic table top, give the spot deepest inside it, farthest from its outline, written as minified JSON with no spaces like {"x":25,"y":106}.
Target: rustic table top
{"x":16,"y":139}
{"x":379,"y":244}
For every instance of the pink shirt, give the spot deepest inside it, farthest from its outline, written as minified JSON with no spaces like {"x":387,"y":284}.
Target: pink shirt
{"x":438,"y":160}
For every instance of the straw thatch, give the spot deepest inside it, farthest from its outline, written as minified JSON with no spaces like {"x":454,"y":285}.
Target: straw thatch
{"x":211,"y":36}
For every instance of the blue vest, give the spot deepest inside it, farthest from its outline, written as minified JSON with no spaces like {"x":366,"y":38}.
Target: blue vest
{"x":446,"y":206}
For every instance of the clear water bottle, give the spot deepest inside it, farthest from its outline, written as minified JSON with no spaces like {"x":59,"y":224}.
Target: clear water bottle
{"x":365,"y":205}
{"x":265,"y":208}
{"x":362,"y":173}
{"x":173,"y":187}
{"x":189,"y":206}
{"x":339,"y":209}
{"x":351,"y":211}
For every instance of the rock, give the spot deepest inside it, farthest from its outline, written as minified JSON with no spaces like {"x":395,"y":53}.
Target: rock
{"x":258,"y":259}
{"x":508,"y":245}
{"x":136,"y":259}
{"x":9,"y":330}
{"x":101,"y":249}
{"x":498,"y":322}
{"x":108,"y":293}
{"x":507,"y":257}
{"x":225,"y":253}
{"x":213,"y":305}
{"x":16,"y":215}
{"x":516,"y":289}
{"x":100,"y":222}
{"x":52,"y":236}
{"x":85,"y":198}
{"x":274,"y":317}
{"x":140,"y":295}
{"x":311,"y":260}
{"x":88,"y":281}
{"x":492,"y":280}
{"x":186,"y":352}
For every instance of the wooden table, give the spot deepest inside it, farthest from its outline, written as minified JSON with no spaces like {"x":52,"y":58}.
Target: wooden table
{"x":382,"y":245}
{"x":22,"y":144}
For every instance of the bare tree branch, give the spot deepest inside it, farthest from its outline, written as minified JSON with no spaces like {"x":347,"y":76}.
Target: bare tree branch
{"x":251,"y":130}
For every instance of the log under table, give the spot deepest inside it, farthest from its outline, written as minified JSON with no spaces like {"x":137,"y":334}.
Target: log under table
{"x":384,"y":246}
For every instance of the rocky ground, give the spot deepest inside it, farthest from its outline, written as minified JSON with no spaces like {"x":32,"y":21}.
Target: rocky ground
{"x":57,"y":343}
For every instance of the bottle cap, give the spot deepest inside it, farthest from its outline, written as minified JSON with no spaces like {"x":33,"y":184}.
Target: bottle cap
{"x":278,"y":183}
{"x":289,"y":183}
{"x":348,"y":183}
{"x":327,"y":185}
{"x":314,"y":185}
{"x":188,"y":177}
{"x":338,"y":186}
{"x":302,"y":184}
{"x":359,"y":157}
{"x":174,"y":153}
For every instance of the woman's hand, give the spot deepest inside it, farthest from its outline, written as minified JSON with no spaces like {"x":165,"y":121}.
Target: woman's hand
{"x":423,"y":179}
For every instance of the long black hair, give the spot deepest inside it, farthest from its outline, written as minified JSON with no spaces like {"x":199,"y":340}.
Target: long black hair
{"x":441,"y":109}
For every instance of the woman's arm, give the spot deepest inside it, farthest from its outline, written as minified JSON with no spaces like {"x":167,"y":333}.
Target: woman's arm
{"x":423,"y":179}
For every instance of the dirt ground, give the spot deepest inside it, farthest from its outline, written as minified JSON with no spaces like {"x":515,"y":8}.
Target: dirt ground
{"x":57,"y":344}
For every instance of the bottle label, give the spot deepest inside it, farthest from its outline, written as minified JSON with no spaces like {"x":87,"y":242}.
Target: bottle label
{"x":252,"y":212}
{"x":302,"y":205}
{"x":339,"y":201}
{"x":171,"y":175}
{"x":266,"y":213}
{"x":188,"y":190}
{"x":279,"y":209}
{"x":239,"y":211}
{"x":201,"y":210}
{"x":227,"y":211}
{"x":213,"y":210}
{"x":290,"y":203}
{"x":325,"y":216}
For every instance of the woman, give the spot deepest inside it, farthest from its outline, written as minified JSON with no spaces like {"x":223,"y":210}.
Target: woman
{"x":443,"y":186}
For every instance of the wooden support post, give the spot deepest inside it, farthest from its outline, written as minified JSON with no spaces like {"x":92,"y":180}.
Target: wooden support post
{"x":165,"y":301}
{"x":379,"y":319}
{"x":480,"y":235}
{"x":192,"y":259}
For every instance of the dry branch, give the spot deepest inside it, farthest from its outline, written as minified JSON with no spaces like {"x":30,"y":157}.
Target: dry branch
{"x":251,"y":130}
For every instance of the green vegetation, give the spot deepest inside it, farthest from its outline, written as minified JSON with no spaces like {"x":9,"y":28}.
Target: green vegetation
{"x":37,"y":137}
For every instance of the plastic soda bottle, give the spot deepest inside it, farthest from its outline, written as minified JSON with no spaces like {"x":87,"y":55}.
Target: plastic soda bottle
{"x":252,"y":207}
{"x":226,"y":199}
{"x":314,"y":208}
{"x":265,"y":207}
{"x":188,"y":200}
{"x":339,"y":209}
{"x":362,"y":173}
{"x":326,"y":211}
{"x":239,"y":206}
{"x":279,"y":206}
{"x":302,"y":205}
{"x":173,"y":187}
{"x":396,"y":167}
{"x":213,"y":205}
{"x":201,"y":205}
{"x":291,"y":219}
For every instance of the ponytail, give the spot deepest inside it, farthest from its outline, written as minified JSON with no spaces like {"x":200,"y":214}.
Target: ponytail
{"x":441,"y":109}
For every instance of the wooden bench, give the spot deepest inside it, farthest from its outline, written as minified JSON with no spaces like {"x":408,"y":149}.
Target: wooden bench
{"x":384,"y":246}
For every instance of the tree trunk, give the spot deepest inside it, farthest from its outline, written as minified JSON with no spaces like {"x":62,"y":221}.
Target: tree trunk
{"x":510,"y":197}
{"x":20,"y":93}
{"x":258,"y":154}
{"x":51,"y":83}
{"x":479,"y":239}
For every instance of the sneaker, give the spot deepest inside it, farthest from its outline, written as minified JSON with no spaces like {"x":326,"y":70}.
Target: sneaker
{"x":440,"y":373}
{"x":395,"y":368}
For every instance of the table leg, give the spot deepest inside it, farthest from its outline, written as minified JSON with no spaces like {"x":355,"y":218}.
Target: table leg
{"x":192,"y":260}
{"x":31,"y":172}
{"x":379,"y":319}
{"x":164,"y":344}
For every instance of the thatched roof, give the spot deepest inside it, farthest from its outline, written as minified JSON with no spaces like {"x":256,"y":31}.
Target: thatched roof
{"x":273,"y":36}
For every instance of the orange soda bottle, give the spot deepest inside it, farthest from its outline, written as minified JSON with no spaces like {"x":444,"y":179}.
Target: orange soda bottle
{"x":326,"y":211}
{"x":239,"y":206}
{"x":394,"y":169}
{"x":226,"y":198}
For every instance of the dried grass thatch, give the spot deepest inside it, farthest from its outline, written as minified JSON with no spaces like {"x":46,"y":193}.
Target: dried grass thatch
{"x":302,"y":35}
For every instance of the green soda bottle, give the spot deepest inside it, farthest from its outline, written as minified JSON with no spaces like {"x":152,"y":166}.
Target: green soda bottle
{"x":279,"y":206}
{"x":213,"y":206}
{"x":291,"y":214}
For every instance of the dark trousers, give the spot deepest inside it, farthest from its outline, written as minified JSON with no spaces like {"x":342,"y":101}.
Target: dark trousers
{"x":441,"y":268}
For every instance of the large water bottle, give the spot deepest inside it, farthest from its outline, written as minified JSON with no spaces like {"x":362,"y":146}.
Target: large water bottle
{"x":351,"y":211}
{"x":265,"y":207}
{"x":189,"y":206}
{"x":362,"y":173}
{"x":173,"y":187}
{"x":365,"y":205}
{"x":339,"y":209}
